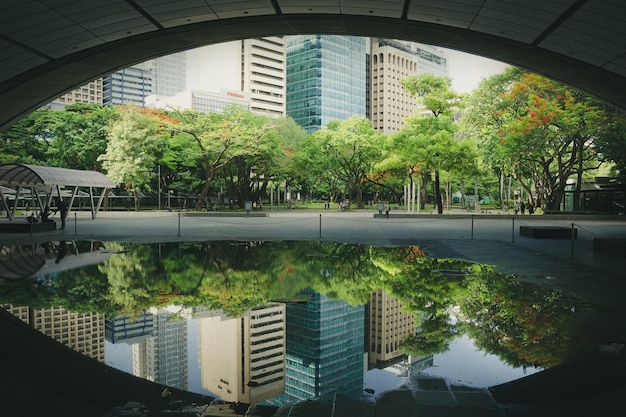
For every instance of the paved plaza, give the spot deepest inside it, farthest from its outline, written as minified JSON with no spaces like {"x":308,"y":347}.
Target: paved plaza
{"x":598,"y":277}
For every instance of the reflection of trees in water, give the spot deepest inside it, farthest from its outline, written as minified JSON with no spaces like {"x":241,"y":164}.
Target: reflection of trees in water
{"x":522,"y":324}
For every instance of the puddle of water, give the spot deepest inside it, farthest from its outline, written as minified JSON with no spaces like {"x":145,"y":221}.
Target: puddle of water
{"x":270,"y":322}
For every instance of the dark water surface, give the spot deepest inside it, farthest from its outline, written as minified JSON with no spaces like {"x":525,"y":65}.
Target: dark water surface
{"x":271,"y":322}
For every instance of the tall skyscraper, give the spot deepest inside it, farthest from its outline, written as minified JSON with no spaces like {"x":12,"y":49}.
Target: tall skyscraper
{"x":391,"y":61}
{"x":129,"y":85}
{"x":326,"y":79}
{"x":169,"y":74}
{"x":254,"y":67}
{"x":243,"y":359}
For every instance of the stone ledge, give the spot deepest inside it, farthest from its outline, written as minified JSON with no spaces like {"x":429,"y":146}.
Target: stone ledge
{"x":547,"y":232}
{"x":26,"y":227}
{"x":610,"y":246}
{"x":223,"y":214}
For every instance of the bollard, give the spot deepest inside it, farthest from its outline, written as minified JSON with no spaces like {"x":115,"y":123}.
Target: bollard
{"x":513,"y":230}
{"x":320,"y":226}
{"x":572,"y":245}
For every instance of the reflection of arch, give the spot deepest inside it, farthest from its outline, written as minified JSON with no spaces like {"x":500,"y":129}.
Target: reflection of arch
{"x":44,"y":183}
{"x":577,"y":42}
{"x":24,"y":262}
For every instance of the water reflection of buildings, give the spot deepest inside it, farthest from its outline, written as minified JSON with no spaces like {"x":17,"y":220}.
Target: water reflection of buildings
{"x":324,"y":349}
{"x":387,"y":326}
{"x":243,"y":359}
{"x":83,"y":332}
{"x":163,"y":356}
{"x":129,"y":330}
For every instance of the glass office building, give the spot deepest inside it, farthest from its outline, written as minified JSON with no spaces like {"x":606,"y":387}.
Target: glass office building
{"x":326,"y":79}
{"x":325,"y":349}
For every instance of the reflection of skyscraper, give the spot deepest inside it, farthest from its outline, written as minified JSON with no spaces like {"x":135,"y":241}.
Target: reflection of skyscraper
{"x":83,"y":332}
{"x":387,"y":326}
{"x":243,"y":359}
{"x":126,"y":329}
{"x":324,"y":349}
{"x":163,"y":357}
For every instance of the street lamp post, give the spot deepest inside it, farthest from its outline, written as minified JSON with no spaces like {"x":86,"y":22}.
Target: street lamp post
{"x":159,"y":184}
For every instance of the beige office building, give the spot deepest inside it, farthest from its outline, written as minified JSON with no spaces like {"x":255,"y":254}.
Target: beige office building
{"x":387,"y":326}
{"x":243,"y":359}
{"x":90,"y":93}
{"x":83,"y":332}
{"x":390,"y":61}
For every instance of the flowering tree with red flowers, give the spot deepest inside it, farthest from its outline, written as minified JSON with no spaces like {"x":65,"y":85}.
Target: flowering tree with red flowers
{"x":537,"y":130}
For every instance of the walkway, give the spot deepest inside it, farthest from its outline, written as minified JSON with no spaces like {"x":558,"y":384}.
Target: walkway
{"x":598,"y":278}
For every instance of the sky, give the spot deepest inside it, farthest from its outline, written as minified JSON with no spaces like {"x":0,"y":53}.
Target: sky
{"x":467,"y":70}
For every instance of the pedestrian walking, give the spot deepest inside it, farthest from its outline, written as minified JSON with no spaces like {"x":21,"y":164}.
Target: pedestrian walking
{"x":522,"y":207}
{"x":386,"y":210}
{"x":516,"y":207}
{"x":63,"y":210}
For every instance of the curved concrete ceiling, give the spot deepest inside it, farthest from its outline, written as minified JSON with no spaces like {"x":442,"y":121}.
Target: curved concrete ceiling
{"x":48,"y":47}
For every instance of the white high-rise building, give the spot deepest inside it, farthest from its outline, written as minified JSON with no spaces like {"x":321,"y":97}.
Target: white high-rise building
{"x":391,"y":61}
{"x":243,"y":359}
{"x":252,"y":66}
{"x":170,"y":74}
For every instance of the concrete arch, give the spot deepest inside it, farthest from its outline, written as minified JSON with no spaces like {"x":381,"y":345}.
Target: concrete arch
{"x":579,"y":42}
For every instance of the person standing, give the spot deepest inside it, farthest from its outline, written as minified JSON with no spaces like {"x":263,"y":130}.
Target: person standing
{"x":522,"y":207}
{"x":386,"y":210}
{"x":516,"y":207}
{"x":63,"y":210}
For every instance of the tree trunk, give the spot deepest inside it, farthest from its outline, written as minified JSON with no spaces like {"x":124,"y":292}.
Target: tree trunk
{"x":438,"y":194}
{"x":579,"y":174}
{"x":203,"y":194}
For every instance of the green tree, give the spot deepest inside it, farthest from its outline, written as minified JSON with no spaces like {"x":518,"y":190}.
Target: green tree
{"x":29,"y":140}
{"x":222,"y":137}
{"x":348,"y":150}
{"x":537,"y":130}
{"x":433,"y":130}
{"x":80,"y":137}
{"x":134,"y":141}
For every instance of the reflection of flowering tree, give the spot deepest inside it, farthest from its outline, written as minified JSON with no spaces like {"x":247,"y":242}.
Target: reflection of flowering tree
{"x":525,"y":325}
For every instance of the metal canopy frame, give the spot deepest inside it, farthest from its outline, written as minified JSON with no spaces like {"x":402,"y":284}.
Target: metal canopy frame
{"x":44,"y":183}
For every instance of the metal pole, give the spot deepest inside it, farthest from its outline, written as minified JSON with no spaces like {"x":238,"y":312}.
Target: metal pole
{"x":179,"y":223}
{"x":75,"y":225}
{"x":472,"y":227}
{"x":159,"y":182}
{"x":572,"y":240}
{"x":320,"y":226}
{"x":513,"y":230}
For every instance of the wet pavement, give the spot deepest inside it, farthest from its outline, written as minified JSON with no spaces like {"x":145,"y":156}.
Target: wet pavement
{"x":40,"y":378}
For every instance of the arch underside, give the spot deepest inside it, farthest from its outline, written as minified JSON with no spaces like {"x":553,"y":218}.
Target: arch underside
{"x":545,"y":46}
